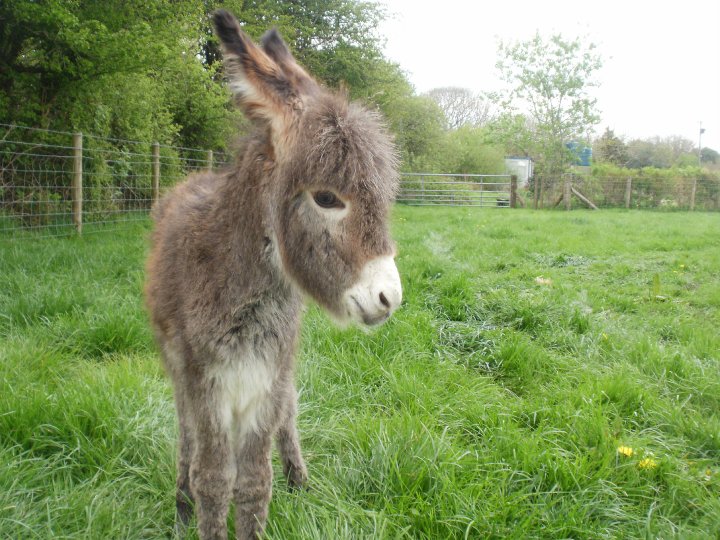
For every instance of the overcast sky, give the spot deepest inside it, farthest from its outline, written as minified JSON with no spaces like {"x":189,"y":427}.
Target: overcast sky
{"x":661,"y":73}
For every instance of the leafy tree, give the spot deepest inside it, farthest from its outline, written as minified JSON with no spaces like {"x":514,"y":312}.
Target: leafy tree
{"x":515,"y":132}
{"x":152,"y":70}
{"x":62,"y":64}
{"x":417,"y":122}
{"x":708,"y":155}
{"x":336,"y":40}
{"x":610,"y":149}
{"x":469,"y":150}
{"x":661,"y":152}
{"x":642,"y":153}
{"x":550,"y":80}
{"x":108,"y":68}
{"x":461,"y":106}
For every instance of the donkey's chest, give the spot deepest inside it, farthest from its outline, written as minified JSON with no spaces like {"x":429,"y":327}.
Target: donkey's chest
{"x":243,"y":381}
{"x":249,"y":361}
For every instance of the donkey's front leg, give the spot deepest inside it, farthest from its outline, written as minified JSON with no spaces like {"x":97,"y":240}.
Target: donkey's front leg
{"x":186,"y":450}
{"x":288,"y":442}
{"x":253,"y":485}
{"x":212,"y":474}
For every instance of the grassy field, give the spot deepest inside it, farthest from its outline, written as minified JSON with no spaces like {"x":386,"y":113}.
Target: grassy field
{"x":550,"y":375}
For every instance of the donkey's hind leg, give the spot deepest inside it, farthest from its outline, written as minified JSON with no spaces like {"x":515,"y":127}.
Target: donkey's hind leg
{"x":288,"y":442}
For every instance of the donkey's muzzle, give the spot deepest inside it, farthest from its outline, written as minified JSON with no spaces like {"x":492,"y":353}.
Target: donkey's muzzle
{"x":376,"y":294}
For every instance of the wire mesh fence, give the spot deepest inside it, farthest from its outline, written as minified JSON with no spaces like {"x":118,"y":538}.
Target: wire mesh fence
{"x":700,"y":192}
{"x":56,"y":182}
{"x":426,"y":189}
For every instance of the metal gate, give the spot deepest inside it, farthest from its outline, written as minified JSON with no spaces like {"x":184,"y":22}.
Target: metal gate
{"x":427,"y":189}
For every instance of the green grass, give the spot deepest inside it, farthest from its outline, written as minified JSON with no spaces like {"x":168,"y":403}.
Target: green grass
{"x":492,"y":405}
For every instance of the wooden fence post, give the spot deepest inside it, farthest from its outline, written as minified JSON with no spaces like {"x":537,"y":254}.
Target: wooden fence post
{"x":628,"y":192}
{"x":155,"y":172}
{"x":542,"y":188}
{"x":77,"y":187}
{"x":535,"y":195}
{"x":693,"y":191}
{"x":513,"y":191}
{"x":567,"y":194}
{"x":209,"y":160}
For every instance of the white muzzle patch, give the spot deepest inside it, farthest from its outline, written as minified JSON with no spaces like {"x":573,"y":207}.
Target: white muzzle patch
{"x":376,"y":294}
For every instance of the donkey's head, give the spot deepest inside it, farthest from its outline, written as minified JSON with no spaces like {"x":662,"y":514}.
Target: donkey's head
{"x":331,"y":178}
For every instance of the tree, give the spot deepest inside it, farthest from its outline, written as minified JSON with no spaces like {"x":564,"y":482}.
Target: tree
{"x":152,"y":70}
{"x":105,"y":68}
{"x":461,"y":106}
{"x":610,"y":149}
{"x":335,"y":40}
{"x":661,"y":152}
{"x":549,"y":79}
{"x":708,"y":155}
{"x":469,"y":150}
{"x":514,"y":132}
{"x":417,"y":122}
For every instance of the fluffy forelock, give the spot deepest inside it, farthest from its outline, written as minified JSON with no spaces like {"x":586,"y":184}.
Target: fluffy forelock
{"x":348,"y":147}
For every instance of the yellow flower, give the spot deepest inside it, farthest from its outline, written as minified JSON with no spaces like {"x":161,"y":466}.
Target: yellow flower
{"x":625,"y":451}
{"x":647,"y":463}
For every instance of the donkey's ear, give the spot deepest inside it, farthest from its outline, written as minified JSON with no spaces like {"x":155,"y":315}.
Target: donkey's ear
{"x":277,"y":49}
{"x":264,"y":91}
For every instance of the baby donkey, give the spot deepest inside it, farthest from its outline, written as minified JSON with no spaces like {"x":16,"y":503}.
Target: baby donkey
{"x":302,"y":213}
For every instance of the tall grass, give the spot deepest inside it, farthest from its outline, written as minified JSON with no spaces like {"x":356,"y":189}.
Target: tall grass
{"x":550,"y":375}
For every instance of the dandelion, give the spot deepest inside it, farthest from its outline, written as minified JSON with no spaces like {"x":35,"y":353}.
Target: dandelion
{"x":647,"y":463}
{"x":625,"y":451}
{"x":604,"y":335}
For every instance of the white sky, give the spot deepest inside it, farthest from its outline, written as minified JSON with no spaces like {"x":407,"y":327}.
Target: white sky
{"x":661,"y":72}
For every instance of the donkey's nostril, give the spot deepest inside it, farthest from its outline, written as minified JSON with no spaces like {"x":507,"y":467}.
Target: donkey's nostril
{"x":384,"y":300}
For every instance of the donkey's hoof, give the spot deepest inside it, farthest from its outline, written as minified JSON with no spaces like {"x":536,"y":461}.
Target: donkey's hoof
{"x":297,"y":479}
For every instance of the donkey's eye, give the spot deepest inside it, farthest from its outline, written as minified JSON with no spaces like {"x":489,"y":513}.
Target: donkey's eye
{"x":327,"y":199}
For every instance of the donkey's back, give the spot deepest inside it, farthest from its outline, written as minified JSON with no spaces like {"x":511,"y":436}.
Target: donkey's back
{"x":181,"y":235}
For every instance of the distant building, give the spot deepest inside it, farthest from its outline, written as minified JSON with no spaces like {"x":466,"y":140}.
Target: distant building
{"x":522,"y":167}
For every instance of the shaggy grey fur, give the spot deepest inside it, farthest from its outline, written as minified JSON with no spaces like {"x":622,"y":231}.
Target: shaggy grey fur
{"x":232,"y":255}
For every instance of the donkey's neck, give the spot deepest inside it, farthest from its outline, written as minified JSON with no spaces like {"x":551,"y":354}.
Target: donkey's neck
{"x":244,"y":212}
